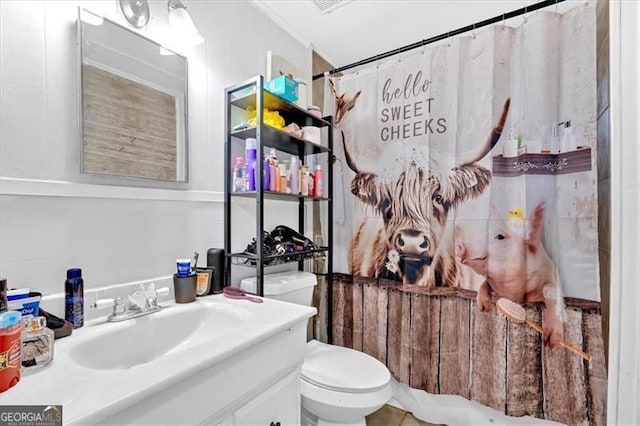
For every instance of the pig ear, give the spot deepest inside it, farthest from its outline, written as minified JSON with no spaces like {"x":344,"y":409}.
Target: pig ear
{"x":537,"y":219}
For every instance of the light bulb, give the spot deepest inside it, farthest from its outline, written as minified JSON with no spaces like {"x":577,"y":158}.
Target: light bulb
{"x":183,"y":26}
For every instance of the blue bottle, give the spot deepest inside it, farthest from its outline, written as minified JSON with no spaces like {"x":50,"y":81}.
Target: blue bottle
{"x":74,"y":298}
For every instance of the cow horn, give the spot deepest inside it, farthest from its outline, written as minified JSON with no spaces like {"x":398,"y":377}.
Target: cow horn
{"x":332,"y":86}
{"x":347,"y":156}
{"x":494,"y":136}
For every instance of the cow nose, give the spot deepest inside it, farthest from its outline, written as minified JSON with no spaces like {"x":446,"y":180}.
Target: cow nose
{"x":412,"y":241}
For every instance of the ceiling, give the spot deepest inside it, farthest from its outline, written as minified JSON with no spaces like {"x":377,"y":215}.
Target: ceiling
{"x":359,"y":29}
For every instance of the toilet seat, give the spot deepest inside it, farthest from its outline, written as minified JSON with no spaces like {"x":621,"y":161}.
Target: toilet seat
{"x":342,"y":369}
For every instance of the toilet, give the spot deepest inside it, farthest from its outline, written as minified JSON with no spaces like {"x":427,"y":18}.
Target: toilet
{"x":339,"y":386}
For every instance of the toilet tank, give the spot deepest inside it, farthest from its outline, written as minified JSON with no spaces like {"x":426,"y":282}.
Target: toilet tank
{"x":292,"y":286}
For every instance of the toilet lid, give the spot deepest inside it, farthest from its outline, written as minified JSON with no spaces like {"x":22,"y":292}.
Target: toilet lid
{"x":343,"y":369}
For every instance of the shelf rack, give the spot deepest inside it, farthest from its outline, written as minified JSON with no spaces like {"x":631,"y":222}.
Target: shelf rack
{"x":251,"y":93}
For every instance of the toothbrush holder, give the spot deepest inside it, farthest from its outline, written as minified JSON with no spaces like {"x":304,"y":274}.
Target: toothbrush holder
{"x":185,"y":288}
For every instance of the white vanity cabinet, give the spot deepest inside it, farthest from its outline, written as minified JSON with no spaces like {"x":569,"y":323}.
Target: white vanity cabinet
{"x":279,"y":405}
{"x":214,"y":361}
{"x":258,"y":386}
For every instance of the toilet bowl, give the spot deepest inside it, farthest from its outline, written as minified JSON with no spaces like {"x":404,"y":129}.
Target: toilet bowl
{"x":338,"y":386}
{"x":341,"y":386}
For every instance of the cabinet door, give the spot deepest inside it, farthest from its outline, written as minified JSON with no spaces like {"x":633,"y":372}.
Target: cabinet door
{"x":277,"y":405}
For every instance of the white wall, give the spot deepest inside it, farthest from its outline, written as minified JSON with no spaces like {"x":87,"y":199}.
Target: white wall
{"x":52,"y":217}
{"x":624,"y":340}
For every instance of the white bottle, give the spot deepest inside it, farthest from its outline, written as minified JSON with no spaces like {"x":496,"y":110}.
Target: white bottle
{"x":554,"y":141}
{"x":510,"y":147}
{"x":293,"y":179}
{"x":273,"y":165}
{"x":568,"y":142}
{"x":305,"y":180}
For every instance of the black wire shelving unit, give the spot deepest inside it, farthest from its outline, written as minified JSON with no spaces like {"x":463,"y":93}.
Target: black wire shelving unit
{"x":251,"y":94}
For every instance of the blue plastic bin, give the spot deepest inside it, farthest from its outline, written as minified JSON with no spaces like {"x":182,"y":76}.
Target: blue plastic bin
{"x":283,"y":86}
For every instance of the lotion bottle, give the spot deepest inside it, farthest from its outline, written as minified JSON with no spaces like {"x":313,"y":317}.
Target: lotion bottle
{"x":293,"y":180}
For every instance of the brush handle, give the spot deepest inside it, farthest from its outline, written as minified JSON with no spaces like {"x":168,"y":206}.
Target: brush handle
{"x":564,"y":343}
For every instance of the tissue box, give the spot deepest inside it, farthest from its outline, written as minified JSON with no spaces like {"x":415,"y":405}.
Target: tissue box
{"x":283,"y":86}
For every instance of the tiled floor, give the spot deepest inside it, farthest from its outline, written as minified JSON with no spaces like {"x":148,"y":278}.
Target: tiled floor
{"x":392,"y":416}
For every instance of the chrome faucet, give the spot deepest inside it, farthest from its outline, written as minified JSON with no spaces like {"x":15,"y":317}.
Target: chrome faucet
{"x":141,"y":302}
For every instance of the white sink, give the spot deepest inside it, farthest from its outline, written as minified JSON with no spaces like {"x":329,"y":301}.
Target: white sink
{"x":149,"y":369}
{"x":143,"y":339}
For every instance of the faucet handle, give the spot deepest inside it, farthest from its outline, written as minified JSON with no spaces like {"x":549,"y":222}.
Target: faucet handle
{"x":163,"y":291}
{"x":152,"y":294}
{"x":117,"y":304}
{"x":102,"y":304}
{"x":138,"y":299}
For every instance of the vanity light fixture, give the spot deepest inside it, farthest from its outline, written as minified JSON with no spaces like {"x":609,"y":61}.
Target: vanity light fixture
{"x":182,"y":24}
{"x":136,"y":12}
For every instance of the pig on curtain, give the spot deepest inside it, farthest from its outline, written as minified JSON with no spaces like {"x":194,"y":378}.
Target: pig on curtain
{"x":466,"y":173}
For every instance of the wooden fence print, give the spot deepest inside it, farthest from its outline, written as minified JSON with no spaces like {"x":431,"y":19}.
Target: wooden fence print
{"x":434,"y":339}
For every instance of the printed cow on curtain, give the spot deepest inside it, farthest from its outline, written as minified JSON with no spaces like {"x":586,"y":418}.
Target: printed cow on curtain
{"x":408,"y":243}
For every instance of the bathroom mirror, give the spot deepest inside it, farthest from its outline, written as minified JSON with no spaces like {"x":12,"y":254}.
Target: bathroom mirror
{"x":133,"y":108}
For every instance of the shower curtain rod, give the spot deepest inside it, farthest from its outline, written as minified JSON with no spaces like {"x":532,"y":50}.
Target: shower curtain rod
{"x":446,"y":35}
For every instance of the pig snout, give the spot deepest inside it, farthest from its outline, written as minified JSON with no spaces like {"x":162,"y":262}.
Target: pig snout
{"x":472,"y":254}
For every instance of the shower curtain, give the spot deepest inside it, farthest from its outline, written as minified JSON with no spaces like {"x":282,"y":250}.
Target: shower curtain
{"x":467,"y":175}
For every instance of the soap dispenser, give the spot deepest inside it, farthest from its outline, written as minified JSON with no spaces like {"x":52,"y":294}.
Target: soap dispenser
{"x":510,"y":147}
{"x":568,"y":142}
{"x":554,"y":142}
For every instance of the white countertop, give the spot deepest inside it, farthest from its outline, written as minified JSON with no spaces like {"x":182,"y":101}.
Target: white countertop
{"x":89,"y":395}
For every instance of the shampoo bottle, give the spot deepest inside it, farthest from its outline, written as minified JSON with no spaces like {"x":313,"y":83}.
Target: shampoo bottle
{"x":273,"y":165}
{"x":266,"y":173}
{"x":74,"y":298}
{"x":318,"y":178}
{"x":251,"y":155}
{"x":293,"y":180}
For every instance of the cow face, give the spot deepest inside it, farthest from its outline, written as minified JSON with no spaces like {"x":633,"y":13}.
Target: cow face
{"x":414,"y":208}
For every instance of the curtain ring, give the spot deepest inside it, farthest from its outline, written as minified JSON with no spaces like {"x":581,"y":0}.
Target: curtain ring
{"x":556,"y":7}
{"x":503,"y":18}
{"x":473,"y":31}
{"x":524,"y":15}
{"x":448,"y":39}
